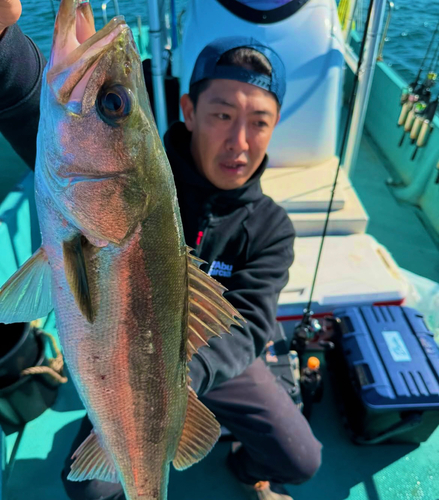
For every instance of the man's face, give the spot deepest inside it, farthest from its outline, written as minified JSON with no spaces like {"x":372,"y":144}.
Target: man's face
{"x":231,"y":128}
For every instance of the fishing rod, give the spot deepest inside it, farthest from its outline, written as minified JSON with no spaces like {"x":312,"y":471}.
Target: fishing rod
{"x":416,"y":106}
{"x":416,"y":97}
{"x":412,"y":86}
{"x":308,"y":327}
{"x":423,"y":125}
{"x":419,"y":121}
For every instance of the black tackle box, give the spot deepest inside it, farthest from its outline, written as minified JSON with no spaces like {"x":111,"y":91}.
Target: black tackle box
{"x":385,"y":368}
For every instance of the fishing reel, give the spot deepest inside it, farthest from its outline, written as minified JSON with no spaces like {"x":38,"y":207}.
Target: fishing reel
{"x":408,"y":99}
{"x":410,"y":96}
{"x":423,"y":126}
{"x":306,"y":331}
{"x":417,"y":112}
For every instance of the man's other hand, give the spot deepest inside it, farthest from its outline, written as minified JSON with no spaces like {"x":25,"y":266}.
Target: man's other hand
{"x":10,"y":12}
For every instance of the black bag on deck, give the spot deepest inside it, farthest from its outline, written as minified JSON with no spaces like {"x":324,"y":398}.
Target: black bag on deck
{"x":23,"y":397}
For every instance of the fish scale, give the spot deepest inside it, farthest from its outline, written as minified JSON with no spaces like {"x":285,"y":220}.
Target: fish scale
{"x":131,"y":304}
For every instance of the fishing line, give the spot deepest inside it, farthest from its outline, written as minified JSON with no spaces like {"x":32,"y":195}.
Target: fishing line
{"x":307,"y":311}
{"x":435,"y":61}
{"x":424,"y":110}
{"x":421,"y":68}
{"x":435,"y":58}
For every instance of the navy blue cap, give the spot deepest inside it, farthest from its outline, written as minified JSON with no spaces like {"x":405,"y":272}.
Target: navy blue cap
{"x":206,"y":65}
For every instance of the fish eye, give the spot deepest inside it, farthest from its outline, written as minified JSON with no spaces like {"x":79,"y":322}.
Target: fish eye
{"x":114,"y":104}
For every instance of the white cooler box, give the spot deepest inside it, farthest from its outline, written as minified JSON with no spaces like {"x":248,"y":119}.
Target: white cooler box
{"x":354,"y":270}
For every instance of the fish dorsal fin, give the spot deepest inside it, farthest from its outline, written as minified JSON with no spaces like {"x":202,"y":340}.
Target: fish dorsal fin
{"x":76,"y":273}
{"x":210,"y":314}
{"x":27,"y":295}
{"x":200,"y":432}
{"x":92,"y":462}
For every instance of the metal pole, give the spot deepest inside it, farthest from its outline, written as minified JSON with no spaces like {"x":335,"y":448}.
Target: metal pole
{"x":157,"y":67}
{"x":104,"y":13}
{"x":174,"y":25}
{"x":104,"y":9}
{"x":365,"y":81}
{"x":386,"y":29}
{"x":349,"y":20}
{"x":139,"y":27}
{"x":54,"y":9}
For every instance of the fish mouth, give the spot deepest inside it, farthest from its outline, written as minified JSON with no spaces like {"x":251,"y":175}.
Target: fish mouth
{"x":77,"y":47}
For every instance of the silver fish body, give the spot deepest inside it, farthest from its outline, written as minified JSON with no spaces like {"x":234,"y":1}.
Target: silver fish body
{"x":130,"y":363}
{"x":131,"y":305}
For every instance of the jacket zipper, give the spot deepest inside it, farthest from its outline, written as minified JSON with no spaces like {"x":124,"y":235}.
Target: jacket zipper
{"x":199,"y":237}
{"x":202,"y":234}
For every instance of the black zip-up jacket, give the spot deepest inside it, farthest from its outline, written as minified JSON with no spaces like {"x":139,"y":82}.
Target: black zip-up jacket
{"x":245,"y":238}
{"x":247,"y":241}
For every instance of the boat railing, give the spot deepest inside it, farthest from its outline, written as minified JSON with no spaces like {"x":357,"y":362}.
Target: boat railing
{"x":104,"y":9}
{"x":351,"y":19}
{"x":156,"y":32}
{"x":391,"y":6}
{"x":365,"y":78}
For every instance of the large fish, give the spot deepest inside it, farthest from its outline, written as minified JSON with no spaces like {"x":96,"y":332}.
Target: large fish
{"x":131,"y":304}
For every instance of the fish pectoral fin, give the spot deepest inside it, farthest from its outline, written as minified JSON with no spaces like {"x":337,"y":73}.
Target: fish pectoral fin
{"x":210,"y":314}
{"x":200,"y":433}
{"x":27,"y":295}
{"x":76,"y":273}
{"x":92,"y":462}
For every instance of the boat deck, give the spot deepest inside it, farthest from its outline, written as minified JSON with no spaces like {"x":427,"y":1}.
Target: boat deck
{"x":12,"y":168}
{"x":396,"y":225}
{"x":381,"y":472}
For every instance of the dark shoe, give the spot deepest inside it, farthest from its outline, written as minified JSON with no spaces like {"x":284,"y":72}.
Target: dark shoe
{"x":262,"y":490}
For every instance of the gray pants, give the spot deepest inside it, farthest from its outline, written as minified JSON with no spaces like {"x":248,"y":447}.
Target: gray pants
{"x":278,"y":444}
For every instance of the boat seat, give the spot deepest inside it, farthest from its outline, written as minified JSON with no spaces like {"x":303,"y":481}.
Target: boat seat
{"x":304,"y":189}
{"x":355,"y":270}
{"x":305,"y":192}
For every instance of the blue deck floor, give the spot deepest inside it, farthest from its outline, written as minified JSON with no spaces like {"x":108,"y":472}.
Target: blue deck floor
{"x":385,"y":472}
{"x":12,"y":168}
{"x":394,"y":224}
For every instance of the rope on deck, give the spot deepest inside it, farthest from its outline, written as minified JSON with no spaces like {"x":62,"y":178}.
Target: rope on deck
{"x":56,"y":365}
